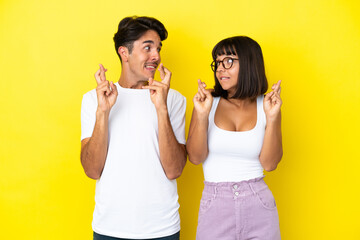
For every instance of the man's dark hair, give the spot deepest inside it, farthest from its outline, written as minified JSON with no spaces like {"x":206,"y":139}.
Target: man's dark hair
{"x":252,"y":80}
{"x":132,"y":28}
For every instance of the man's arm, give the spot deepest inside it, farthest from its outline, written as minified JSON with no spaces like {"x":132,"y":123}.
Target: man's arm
{"x":94,"y":149}
{"x":172,"y":153}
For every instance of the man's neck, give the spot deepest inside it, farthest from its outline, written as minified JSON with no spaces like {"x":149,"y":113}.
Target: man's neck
{"x":125,"y":82}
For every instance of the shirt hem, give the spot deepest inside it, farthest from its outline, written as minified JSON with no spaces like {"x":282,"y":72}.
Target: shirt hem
{"x":135,"y":236}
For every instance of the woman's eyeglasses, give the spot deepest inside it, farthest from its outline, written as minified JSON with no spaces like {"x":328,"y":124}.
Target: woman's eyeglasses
{"x":226,"y":63}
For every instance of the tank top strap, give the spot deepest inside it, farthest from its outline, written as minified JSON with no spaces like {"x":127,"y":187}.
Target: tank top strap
{"x":213,"y":110}
{"x":261,"y":118}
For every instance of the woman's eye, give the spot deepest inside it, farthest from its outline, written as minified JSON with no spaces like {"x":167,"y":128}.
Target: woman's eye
{"x":229,"y":60}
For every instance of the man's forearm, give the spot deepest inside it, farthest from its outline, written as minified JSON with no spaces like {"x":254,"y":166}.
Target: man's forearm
{"x":94,"y":149}
{"x":172,"y":153}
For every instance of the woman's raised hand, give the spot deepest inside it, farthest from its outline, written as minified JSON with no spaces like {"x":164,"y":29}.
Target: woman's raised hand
{"x":203,"y":99}
{"x":272,"y":103}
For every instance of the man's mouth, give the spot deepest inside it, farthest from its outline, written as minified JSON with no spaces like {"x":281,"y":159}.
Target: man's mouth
{"x":151,"y":66}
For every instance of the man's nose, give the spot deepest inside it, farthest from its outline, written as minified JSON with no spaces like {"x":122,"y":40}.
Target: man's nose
{"x":155,"y":56}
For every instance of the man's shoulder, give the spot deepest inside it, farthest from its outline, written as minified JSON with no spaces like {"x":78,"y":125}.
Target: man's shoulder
{"x":175,"y":95}
{"x":90,"y":96}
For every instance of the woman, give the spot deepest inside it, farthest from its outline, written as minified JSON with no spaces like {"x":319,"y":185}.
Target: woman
{"x":235,"y":131}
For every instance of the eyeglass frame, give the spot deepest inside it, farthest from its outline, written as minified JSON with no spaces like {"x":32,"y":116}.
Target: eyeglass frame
{"x":214,"y":66}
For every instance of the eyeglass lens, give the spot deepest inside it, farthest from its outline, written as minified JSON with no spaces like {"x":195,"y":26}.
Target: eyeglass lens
{"x":226,"y":63}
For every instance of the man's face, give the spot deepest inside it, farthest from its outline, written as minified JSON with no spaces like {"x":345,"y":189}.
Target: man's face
{"x":145,"y":56}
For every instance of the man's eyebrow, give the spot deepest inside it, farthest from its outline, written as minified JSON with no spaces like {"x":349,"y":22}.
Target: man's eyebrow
{"x":152,"y":42}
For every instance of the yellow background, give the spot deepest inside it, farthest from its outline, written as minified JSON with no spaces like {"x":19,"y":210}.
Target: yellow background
{"x":49,"y":51}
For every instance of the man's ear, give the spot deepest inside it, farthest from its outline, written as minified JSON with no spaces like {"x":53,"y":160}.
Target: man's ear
{"x":124,"y":53}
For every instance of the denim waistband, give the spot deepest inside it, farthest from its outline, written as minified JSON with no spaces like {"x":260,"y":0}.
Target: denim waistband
{"x":234,"y":189}
{"x":224,"y":184}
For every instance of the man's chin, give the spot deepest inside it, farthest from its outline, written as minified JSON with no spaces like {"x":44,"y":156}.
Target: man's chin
{"x":152,"y":75}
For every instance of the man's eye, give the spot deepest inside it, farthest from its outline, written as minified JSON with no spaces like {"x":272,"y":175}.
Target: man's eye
{"x":147,"y":48}
{"x":159,"y":49}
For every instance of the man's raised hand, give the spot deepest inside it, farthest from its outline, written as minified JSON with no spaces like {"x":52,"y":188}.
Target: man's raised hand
{"x":106,"y":91}
{"x":159,"y":90}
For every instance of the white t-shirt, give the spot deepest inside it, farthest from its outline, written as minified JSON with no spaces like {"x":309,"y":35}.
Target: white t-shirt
{"x":234,"y":156}
{"x":134,"y":198}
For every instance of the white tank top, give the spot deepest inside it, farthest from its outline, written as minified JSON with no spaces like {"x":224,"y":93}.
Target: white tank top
{"x":234,"y":156}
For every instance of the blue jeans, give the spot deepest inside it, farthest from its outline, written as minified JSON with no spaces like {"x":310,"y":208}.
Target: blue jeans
{"x":175,"y":236}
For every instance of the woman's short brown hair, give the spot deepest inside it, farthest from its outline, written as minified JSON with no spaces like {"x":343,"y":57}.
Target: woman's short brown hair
{"x":252,"y":80}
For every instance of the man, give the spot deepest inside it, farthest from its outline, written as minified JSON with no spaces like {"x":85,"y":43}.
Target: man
{"x":133,"y":136}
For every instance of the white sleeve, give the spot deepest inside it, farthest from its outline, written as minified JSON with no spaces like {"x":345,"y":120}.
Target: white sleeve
{"x":88,"y":115}
{"x":177,"y":115}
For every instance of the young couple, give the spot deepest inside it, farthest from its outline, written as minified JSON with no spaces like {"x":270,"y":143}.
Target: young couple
{"x":133,"y":142}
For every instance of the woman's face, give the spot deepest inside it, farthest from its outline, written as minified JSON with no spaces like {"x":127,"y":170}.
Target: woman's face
{"x":227,"y":72}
